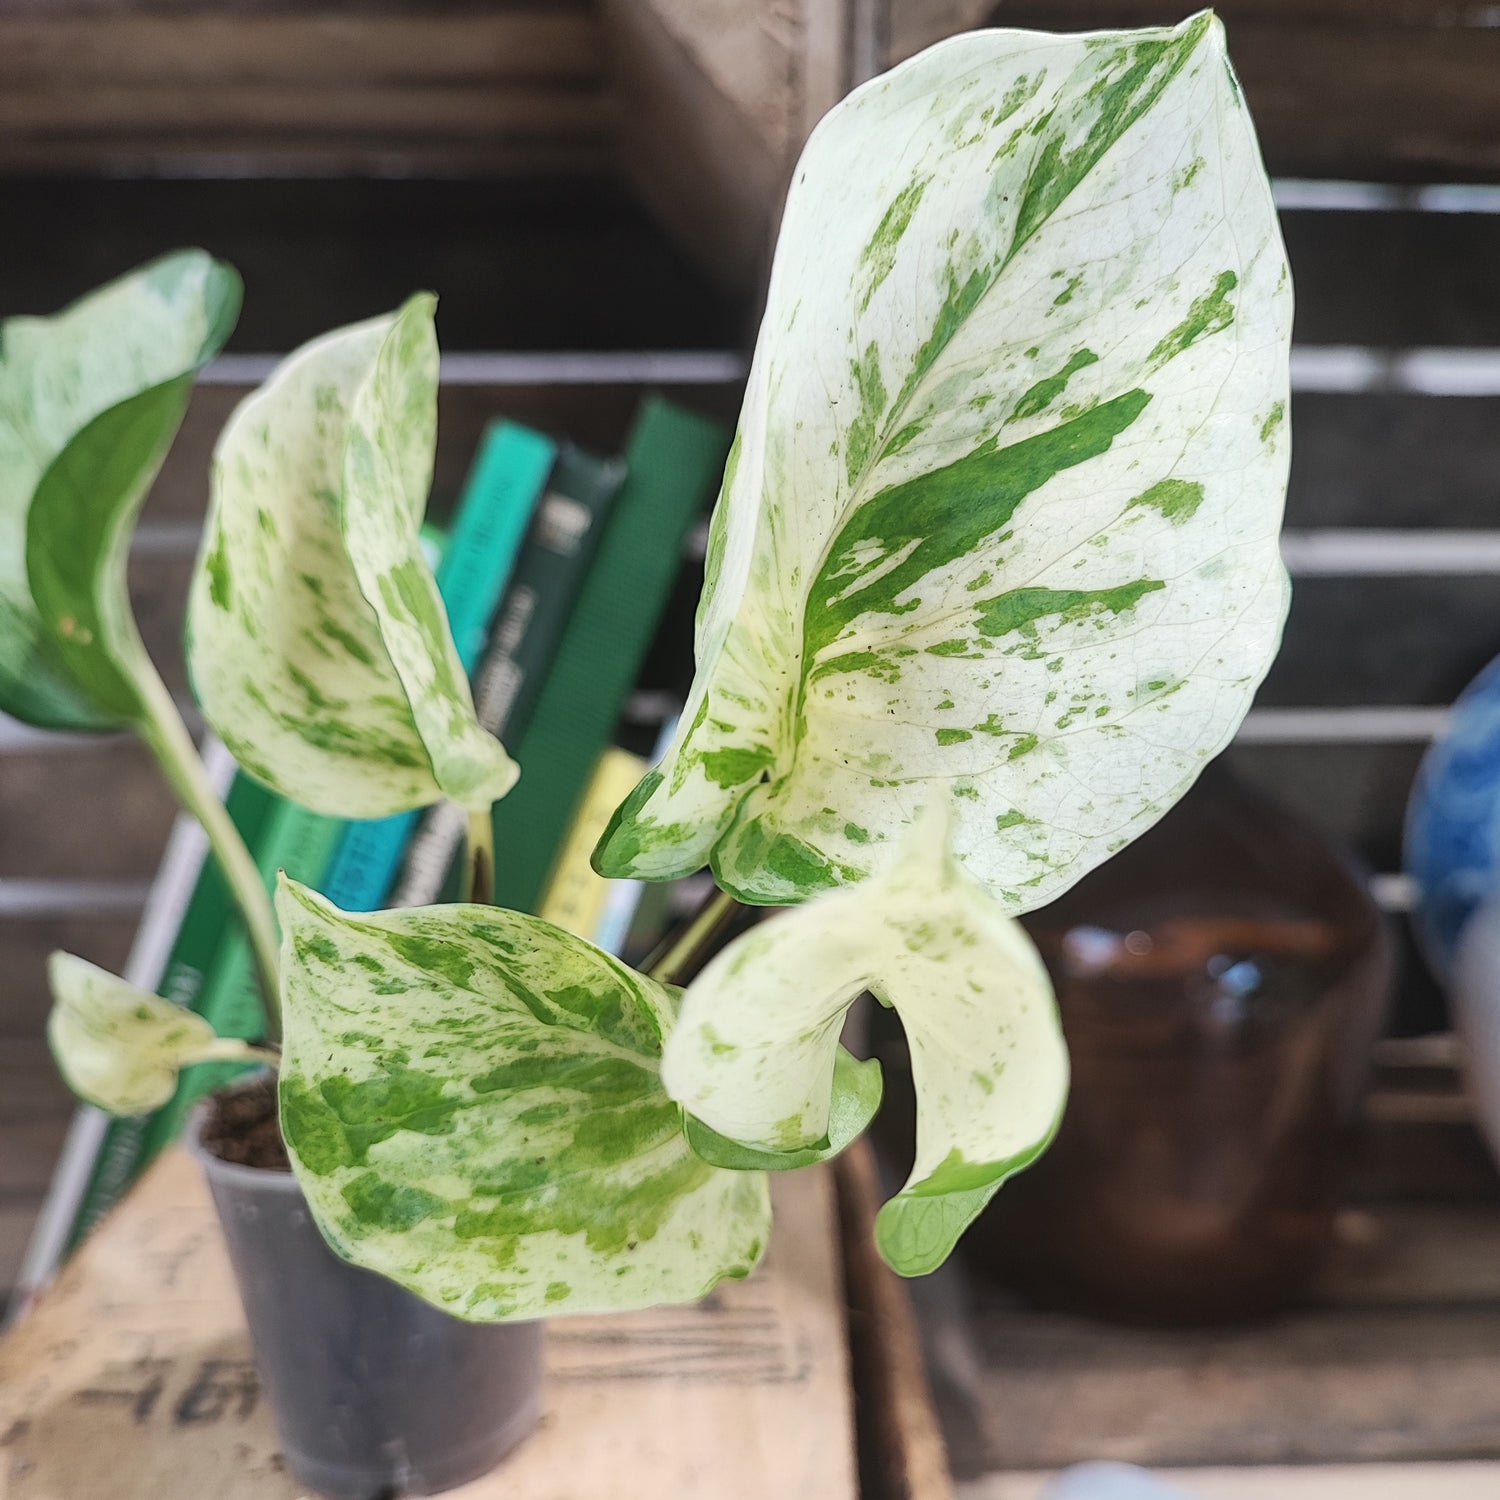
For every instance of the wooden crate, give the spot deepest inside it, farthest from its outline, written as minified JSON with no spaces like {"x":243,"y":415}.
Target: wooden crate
{"x":132,"y":1376}
{"x":1393,"y":1361}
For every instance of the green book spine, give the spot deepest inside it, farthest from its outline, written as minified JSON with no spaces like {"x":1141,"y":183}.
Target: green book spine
{"x":303,"y":844}
{"x":673,"y":464}
{"x":528,"y":626}
{"x":206,"y":925}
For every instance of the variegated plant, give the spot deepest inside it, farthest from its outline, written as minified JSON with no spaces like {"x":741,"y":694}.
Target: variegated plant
{"x":993,"y":573}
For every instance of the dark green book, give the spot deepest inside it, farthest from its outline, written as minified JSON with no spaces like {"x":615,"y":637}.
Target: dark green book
{"x":673,"y":464}
{"x":524,"y":638}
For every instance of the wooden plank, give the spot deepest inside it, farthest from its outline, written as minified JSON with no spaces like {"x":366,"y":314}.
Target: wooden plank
{"x":670,"y":1402}
{"x":30,"y":1086}
{"x":518,"y":266}
{"x":31,"y":1149}
{"x":1354,"y":792}
{"x":1392,"y":88}
{"x":898,"y":1426}
{"x":1394,"y":461}
{"x":17,"y":1216}
{"x":127,"y":50}
{"x":1392,"y":1356}
{"x":101,"y":812}
{"x":1070,"y":15}
{"x":1341,"y":648}
{"x":24,"y":946}
{"x":277,"y":110}
{"x":1451,"y":1481}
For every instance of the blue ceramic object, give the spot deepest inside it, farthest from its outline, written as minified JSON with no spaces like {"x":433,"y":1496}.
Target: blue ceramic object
{"x":1110,"y":1482}
{"x":1453,"y":821}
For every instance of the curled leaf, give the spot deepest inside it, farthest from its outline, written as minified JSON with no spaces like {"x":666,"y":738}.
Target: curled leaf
{"x":90,"y":401}
{"x":120,"y":1047}
{"x":753,"y":1053}
{"x":1000,"y":522}
{"x":472,"y":1102}
{"x":319,"y":646}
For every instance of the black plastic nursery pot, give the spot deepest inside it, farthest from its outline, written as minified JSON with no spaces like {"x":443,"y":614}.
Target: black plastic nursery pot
{"x":375,"y":1393}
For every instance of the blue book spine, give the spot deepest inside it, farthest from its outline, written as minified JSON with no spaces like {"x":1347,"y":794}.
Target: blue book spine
{"x":493,"y":512}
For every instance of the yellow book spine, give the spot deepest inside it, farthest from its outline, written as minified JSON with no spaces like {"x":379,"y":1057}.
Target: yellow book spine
{"x":574,"y":895}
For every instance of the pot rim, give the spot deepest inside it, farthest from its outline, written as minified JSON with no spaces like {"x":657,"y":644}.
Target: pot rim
{"x":273,"y":1179}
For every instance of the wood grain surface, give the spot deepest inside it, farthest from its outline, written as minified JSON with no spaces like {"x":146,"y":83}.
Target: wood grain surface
{"x":132,"y":1377}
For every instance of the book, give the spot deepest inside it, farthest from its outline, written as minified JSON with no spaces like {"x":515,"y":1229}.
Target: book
{"x":533,"y":614}
{"x":498,"y":500}
{"x":673,"y":464}
{"x":292,"y":839}
{"x":574,"y":896}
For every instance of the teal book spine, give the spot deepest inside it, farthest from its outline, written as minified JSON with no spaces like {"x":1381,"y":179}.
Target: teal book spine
{"x":553,"y":561}
{"x":207,"y":923}
{"x":673,"y":464}
{"x":478,"y":557}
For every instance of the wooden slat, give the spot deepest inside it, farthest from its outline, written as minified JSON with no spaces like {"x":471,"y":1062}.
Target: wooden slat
{"x":1389,"y":88}
{"x":508,"y":92}
{"x":16,"y":1220}
{"x":24,"y":999}
{"x":101,"y":812}
{"x":900,"y":1440}
{"x":668,"y":1402}
{"x":125,"y":50}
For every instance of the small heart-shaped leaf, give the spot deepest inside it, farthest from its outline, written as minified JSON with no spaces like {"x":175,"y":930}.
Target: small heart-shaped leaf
{"x":753,"y":1054}
{"x":120,"y":1047}
{"x":318,"y":643}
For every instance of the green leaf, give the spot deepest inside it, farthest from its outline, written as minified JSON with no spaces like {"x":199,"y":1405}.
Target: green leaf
{"x":1000,"y":524}
{"x":472,"y":1102}
{"x":120,"y":1047}
{"x":753,"y":1053}
{"x":857,"y":1088}
{"x":319,"y":646}
{"x":90,"y":401}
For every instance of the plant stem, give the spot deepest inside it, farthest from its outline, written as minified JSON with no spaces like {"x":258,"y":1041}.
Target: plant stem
{"x":479,"y":860}
{"x":684,"y":951}
{"x":162,"y":728}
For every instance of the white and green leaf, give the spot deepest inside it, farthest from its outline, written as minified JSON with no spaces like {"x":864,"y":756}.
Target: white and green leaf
{"x":752,"y":1056}
{"x":120,"y":1047}
{"x":319,"y":646}
{"x":1000,"y":523}
{"x":90,"y":401}
{"x":472,"y":1102}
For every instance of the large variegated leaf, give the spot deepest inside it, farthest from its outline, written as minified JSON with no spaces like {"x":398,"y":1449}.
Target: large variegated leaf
{"x":752,"y":1054}
{"x":120,"y":1047}
{"x":89,"y":403}
{"x":319,"y":646}
{"x":472,"y":1102}
{"x":1000,"y":523}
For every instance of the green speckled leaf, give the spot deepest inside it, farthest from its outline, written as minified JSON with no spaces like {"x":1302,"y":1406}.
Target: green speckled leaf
{"x":89,"y":403}
{"x":473,"y":1105}
{"x":753,"y":1053}
{"x":1000,"y":523}
{"x":319,"y":646}
{"x":120,"y":1047}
